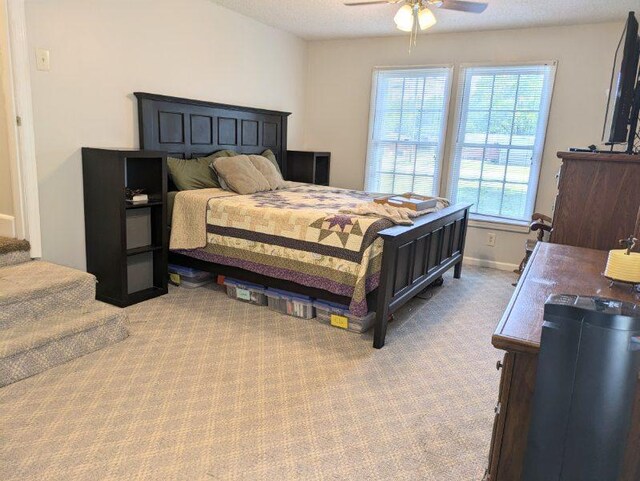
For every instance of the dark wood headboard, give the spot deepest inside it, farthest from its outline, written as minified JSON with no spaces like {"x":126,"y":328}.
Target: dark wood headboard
{"x":187,"y":128}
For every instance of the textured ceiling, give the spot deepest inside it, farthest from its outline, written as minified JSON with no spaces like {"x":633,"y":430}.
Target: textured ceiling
{"x":323,"y":19}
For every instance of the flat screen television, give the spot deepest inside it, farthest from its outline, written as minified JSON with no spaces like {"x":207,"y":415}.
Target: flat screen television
{"x":624,"y":94}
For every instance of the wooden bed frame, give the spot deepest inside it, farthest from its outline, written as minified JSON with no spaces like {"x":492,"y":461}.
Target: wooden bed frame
{"x":413,"y":256}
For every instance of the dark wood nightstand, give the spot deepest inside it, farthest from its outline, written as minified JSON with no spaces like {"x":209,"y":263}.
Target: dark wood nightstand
{"x":309,"y":167}
{"x":127,"y":244}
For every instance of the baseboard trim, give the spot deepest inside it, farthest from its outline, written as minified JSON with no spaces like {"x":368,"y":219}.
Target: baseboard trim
{"x":502,"y":266}
{"x":7,"y":225}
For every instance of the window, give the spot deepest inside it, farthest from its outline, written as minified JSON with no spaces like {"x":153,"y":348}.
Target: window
{"x":502,"y":119}
{"x":408,"y":121}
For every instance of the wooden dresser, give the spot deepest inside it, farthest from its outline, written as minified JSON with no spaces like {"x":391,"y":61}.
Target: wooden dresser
{"x":598,"y":199}
{"x":552,"y":269}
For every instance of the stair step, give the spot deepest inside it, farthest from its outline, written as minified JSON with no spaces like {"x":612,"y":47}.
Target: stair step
{"x":31,"y":347}
{"x":13,"y":251}
{"x":40,"y":330}
{"x":9,"y":244}
{"x":38,"y":289}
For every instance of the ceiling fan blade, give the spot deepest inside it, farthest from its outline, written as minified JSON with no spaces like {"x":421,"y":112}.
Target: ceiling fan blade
{"x":462,"y":6}
{"x":374,"y":2}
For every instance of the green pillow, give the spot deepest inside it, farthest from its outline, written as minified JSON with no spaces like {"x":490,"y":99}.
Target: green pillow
{"x":272,"y":157}
{"x":195,"y":173}
{"x":191,"y":174}
{"x":220,"y":153}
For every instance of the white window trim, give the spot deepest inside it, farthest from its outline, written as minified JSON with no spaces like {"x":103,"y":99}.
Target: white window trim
{"x":480,"y":220}
{"x":506,"y":225}
{"x":437,"y":180}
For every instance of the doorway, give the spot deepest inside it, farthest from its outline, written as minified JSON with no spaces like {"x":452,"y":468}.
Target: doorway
{"x":19,"y":200}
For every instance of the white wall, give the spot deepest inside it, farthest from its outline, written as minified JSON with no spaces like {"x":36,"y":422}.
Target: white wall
{"x":339,"y":87}
{"x":102,"y":51}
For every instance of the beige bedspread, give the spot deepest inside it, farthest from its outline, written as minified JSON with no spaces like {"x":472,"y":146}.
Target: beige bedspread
{"x":189,"y":217}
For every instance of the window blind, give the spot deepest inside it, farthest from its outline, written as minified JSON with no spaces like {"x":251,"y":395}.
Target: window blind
{"x":406,"y":135}
{"x":502,"y":119}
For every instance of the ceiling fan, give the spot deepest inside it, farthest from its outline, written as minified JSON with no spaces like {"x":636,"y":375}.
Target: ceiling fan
{"x":415,"y":15}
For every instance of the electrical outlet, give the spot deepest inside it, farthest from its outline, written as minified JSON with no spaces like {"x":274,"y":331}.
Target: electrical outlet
{"x":42,"y":59}
{"x":491,"y":239}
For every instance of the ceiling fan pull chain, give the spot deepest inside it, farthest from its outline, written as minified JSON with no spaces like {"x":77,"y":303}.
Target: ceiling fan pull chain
{"x":410,"y":39}
{"x":413,"y":36}
{"x":416,"y":24}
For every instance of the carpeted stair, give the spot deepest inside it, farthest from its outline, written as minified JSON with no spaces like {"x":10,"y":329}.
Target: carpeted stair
{"x":13,"y":251}
{"x":39,"y":288}
{"x":49,"y":315}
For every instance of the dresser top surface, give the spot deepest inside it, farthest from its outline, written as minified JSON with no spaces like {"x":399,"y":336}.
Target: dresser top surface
{"x":600,"y":157}
{"x":553,"y":269}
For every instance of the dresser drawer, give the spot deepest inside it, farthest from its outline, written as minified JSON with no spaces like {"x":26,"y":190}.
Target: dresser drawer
{"x":506,"y":366}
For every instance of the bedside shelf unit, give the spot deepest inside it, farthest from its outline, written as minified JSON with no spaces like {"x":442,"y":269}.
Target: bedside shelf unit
{"x":127,"y":244}
{"x":309,"y":167}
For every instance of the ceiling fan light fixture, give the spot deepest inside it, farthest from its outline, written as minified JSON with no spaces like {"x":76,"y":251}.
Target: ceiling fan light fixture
{"x":404,"y":18}
{"x":426,"y":18}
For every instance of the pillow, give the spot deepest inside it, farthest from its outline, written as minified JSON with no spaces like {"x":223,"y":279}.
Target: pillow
{"x":240,"y":174}
{"x":191,"y":174}
{"x":266,"y":168}
{"x":209,"y":158}
{"x":220,"y":153}
{"x":272,"y":157}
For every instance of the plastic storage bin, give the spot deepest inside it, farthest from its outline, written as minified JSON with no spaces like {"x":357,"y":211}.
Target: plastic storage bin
{"x":188,"y":277}
{"x":246,"y":292}
{"x":291,"y":304}
{"x":339,"y":316}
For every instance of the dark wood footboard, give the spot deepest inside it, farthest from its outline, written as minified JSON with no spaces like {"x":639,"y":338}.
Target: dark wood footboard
{"x":415,"y":256}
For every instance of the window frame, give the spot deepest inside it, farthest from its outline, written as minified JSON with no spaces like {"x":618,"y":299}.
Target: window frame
{"x":479,"y":219}
{"x":437,"y":179}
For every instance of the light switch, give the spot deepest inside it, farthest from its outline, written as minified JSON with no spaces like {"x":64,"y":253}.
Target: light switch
{"x":42,"y":59}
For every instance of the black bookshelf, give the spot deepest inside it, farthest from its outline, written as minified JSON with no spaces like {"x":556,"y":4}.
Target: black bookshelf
{"x":126,"y":244}
{"x":309,"y":167}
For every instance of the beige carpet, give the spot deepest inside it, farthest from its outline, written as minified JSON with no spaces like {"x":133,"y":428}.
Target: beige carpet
{"x":210,"y":388}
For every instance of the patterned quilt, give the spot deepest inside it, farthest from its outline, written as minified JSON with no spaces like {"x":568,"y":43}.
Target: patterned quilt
{"x":298,"y":234}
